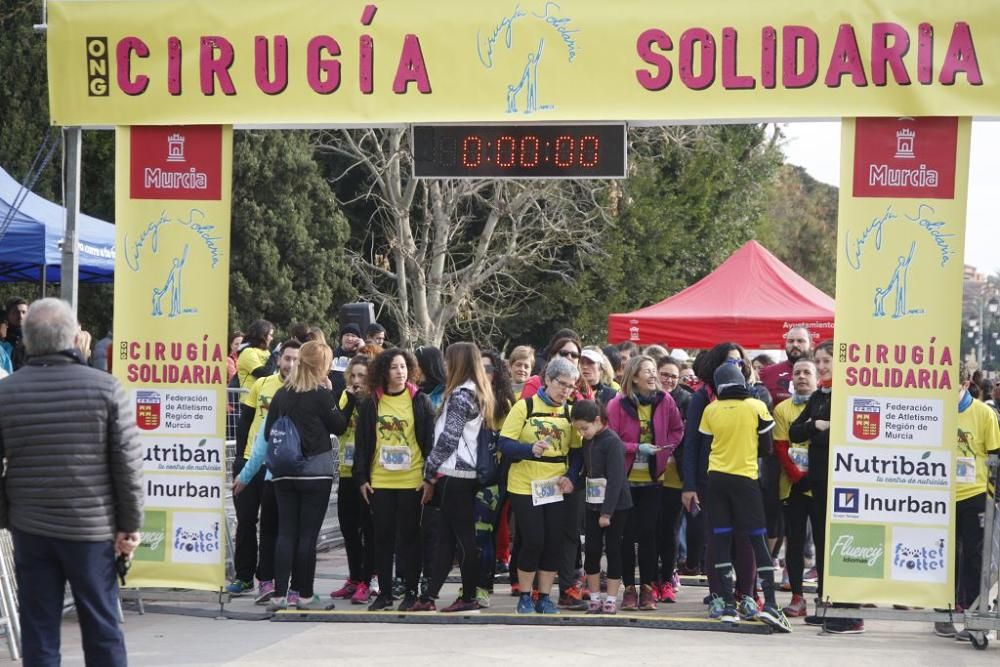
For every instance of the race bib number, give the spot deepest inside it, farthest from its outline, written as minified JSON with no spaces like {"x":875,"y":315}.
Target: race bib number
{"x":965,"y":470}
{"x":800,"y":457}
{"x":395,"y":457}
{"x":641,"y":460}
{"x":348,"y":459}
{"x":545,"y":491}
{"x":597,"y":487}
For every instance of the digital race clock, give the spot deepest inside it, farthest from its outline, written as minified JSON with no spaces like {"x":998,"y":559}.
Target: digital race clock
{"x":519,"y":151}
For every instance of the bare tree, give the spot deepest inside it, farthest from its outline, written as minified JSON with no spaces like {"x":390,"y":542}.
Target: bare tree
{"x":446,"y":255}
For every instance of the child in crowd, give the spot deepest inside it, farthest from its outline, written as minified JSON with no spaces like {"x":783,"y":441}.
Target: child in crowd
{"x":608,"y":501}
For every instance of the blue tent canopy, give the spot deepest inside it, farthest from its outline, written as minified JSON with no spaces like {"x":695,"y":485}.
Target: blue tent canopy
{"x":35,"y":233}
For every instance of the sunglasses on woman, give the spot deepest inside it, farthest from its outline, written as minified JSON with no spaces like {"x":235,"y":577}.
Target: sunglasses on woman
{"x":569,"y":354}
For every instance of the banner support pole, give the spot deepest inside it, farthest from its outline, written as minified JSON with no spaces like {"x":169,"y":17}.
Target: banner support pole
{"x":69,"y":287}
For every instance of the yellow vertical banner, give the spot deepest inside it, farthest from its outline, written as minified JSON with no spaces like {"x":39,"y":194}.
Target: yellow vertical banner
{"x":172,"y":214}
{"x":901,"y":234}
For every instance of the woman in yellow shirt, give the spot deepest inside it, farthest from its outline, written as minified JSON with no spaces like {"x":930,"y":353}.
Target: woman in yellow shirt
{"x":545,"y":449}
{"x":395,"y":432}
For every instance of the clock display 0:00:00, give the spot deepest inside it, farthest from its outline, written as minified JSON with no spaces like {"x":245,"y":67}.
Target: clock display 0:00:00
{"x":531,"y":151}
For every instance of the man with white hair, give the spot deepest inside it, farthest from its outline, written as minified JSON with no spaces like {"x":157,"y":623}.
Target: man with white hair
{"x":72,"y":492}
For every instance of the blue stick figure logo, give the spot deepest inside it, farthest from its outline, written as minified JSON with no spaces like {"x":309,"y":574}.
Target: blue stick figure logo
{"x":172,"y":285}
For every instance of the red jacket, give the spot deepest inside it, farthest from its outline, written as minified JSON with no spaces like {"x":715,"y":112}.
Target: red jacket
{"x":777,"y":378}
{"x":668,"y":428}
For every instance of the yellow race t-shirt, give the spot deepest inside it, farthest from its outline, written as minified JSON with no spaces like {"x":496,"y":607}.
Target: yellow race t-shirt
{"x":345,"y":450}
{"x":251,"y":358}
{"x":784,"y":414}
{"x":545,"y":422}
{"x":734,"y":426}
{"x":671,"y":477}
{"x":396,"y":444}
{"x":978,"y":434}
{"x":259,"y":399}
{"x":640,"y":469}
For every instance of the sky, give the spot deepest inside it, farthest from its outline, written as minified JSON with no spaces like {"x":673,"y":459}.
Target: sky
{"x":816,"y":146}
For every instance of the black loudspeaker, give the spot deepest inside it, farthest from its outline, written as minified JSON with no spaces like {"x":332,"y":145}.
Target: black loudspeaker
{"x":362,"y":314}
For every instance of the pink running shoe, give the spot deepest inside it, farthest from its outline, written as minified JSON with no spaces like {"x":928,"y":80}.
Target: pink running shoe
{"x":362,"y":593}
{"x":667,"y":593}
{"x":346,"y":591}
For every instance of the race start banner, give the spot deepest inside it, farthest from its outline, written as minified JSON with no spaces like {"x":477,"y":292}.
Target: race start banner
{"x":309,"y":62}
{"x":172,"y":212}
{"x":901,"y":235}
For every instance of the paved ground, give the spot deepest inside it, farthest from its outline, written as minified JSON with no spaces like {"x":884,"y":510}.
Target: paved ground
{"x":170,"y":639}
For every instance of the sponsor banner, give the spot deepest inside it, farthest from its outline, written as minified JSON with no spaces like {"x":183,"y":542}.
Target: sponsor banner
{"x":930,"y":468}
{"x":891,"y":506}
{"x":899,"y":421}
{"x":172,"y":211}
{"x":176,"y":410}
{"x":857,"y":550}
{"x":301,"y":62}
{"x":919,"y":554}
{"x":901,"y":236}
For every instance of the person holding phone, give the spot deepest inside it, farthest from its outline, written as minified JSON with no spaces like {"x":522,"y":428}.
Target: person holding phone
{"x":353,"y":514}
{"x":648,"y":422}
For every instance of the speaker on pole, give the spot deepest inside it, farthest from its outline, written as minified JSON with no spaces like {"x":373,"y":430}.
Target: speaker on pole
{"x":361,"y":314}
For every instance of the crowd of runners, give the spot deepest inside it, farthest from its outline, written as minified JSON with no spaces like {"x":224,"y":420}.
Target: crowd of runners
{"x":665,"y":465}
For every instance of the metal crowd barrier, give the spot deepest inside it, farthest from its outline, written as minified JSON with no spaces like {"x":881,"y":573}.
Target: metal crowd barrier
{"x":984,"y":615}
{"x":9,"y":622}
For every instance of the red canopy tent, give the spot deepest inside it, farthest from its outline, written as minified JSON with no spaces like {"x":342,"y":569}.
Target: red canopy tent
{"x":752,"y":299}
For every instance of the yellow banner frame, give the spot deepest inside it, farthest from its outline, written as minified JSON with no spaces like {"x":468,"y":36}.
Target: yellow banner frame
{"x":891,"y":503}
{"x":306,"y":63}
{"x":171,"y":302}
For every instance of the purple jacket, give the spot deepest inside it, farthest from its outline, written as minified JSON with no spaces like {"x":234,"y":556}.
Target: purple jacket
{"x":668,"y":429}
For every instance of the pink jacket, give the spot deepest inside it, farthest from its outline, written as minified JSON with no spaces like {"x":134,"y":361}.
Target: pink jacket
{"x":668,"y":428}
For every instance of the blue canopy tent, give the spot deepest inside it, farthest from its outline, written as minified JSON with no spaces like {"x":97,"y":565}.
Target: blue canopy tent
{"x":33,"y":237}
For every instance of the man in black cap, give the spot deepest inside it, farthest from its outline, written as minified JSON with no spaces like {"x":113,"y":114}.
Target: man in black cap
{"x":350,"y":342}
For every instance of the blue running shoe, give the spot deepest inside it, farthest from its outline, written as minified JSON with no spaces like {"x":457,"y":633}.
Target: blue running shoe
{"x":729,"y":616}
{"x":716,"y":606}
{"x":747,"y":607}
{"x":545,"y":605}
{"x":525,"y":605}
{"x":239,"y":587}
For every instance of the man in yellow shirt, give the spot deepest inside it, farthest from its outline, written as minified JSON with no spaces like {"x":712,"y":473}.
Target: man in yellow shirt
{"x":740,"y":427}
{"x":258,"y":497}
{"x":978,"y":437}
{"x":793,"y":486}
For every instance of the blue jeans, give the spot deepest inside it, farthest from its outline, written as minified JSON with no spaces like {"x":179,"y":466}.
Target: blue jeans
{"x":43,"y":566}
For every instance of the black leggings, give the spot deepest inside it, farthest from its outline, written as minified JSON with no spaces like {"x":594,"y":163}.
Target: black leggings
{"x":572,"y":526}
{"x":268,"y":532}
{"x":670,"y":513}
{"x":800,"y":510}
{"x":968,"y":548}
{"x":604,"y":540}
{"x":301,"y":508}
{"x":641,"y":528}
{"x":247,"y":504}
{"x":819,"y":531}
{"x":356,"y":526}
{"x":542,"y":532}
{"x":456,"y":500}
{"x":736,"y":504}
{"x":392,"y":508}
